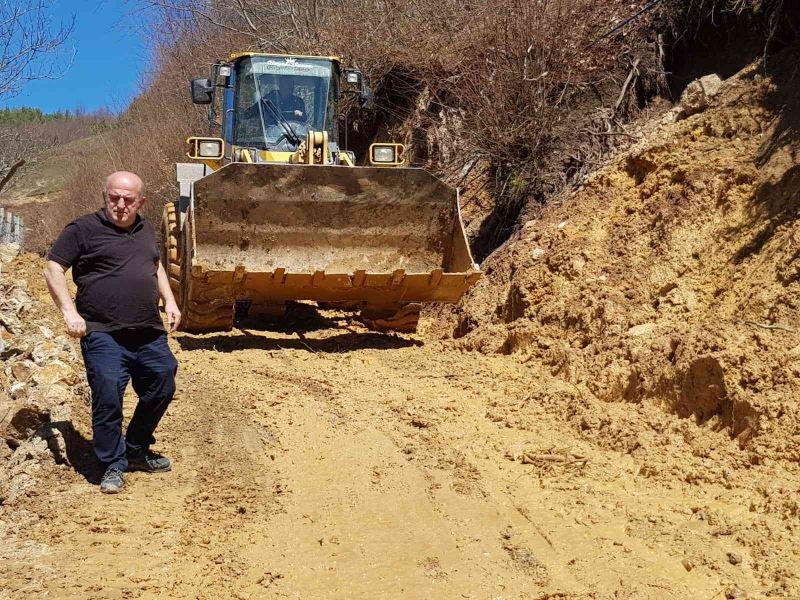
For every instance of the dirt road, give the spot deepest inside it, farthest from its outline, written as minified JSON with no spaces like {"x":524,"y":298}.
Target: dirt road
{"x":337,"y":463}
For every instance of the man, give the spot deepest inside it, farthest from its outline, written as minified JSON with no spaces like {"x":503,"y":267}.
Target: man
{"x":291,"y":106}
{"x":283,"y":99}
{"x":115,"y":265}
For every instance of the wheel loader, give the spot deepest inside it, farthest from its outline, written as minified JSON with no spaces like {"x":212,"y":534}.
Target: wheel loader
{"x":275,"y":210}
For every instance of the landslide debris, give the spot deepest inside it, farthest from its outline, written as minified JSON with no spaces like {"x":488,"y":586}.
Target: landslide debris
{"x":40,"y":381}
{"x":667,"y":288}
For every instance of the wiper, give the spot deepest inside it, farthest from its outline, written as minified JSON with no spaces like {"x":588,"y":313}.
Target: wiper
{"x":290,"y":134}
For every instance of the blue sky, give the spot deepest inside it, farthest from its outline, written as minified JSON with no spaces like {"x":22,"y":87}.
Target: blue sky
{"x":108,"y":64}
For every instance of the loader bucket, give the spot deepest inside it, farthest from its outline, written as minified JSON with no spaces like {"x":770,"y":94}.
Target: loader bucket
{"x":381,"y":237}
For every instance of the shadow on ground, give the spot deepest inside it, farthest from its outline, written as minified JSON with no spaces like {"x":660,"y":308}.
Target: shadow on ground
{"x":253,"y":334}
{"x":299,"y":317}
{"x":248,"y":340}
{"x":77,"y":452}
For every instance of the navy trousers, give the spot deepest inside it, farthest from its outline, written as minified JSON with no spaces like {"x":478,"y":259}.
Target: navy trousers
{"x":143,"y":357}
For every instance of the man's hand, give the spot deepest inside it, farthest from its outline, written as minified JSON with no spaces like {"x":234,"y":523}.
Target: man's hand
{"x":54,"y":274}
{"x":173,"y":315}
{"x":76,"y":326}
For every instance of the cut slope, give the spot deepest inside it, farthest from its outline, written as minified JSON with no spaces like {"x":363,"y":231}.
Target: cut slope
{"x":671,"y":278}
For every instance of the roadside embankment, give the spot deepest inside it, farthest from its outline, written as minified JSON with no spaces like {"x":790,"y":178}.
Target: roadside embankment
{"x":41,"y":381}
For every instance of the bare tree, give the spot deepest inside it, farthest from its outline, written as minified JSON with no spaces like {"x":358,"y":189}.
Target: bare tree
{"x":31,"y":44}
{"x":31,"y":48}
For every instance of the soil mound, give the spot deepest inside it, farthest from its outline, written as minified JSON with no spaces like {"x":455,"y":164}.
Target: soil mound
{"x":671,"y":278}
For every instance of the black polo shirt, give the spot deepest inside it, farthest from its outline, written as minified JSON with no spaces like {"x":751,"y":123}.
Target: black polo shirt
{"x":115,"y":270}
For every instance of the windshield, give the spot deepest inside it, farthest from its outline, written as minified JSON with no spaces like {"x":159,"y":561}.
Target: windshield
{"x":279,"y":99}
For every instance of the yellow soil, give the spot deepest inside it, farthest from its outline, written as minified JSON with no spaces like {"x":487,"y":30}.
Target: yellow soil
{"x":337,"y":463}
{"x":616,"y":420}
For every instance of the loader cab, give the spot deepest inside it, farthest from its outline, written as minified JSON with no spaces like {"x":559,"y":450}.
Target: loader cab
{"x":276,"y":100}
{"x":275,"y":107}
{"x":270,"y":104}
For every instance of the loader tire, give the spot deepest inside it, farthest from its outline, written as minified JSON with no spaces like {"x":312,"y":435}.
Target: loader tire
{"x":170,"y":249}
{"x":202,"y":317}
{"x":403,"y":318}
{"x":198,"y":316}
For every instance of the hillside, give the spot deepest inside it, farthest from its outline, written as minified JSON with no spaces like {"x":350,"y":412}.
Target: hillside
{"x":38,"y":192}
{"x":670,"y":279}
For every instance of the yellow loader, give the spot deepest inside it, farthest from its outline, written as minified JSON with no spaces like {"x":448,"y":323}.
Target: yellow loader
{"x":275,"y":210}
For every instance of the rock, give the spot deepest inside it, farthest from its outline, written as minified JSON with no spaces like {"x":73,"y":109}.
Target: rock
{"x":687,"y":564}
{"x":693,"y":100}
{"x":640,"y":330}
{"x":44,"y":352}
{"x":5,"y":451}
{"x":8,"y":252}
{"x":39,"y":382}
{"x":55,"y":434}
{"x":46,"y":332}
{"x":537,"y":253}
{"x":18,"y":296}
{"x":56,"y":394}
{"x":577,"y":265}
{"x":734,"y":558}
{"x":55,"y":372}
{"x":20,"y":473}
{"x":711,"y":84}
{"x":23,"y":369}
{"x":696,"y":96}
{"x":14,"y":348}
{"x":18,"y":390}
{"x":22,"y":420}
{"x":5,"y":404}
{"x":734,"y":592}
{"x":11,"y":325}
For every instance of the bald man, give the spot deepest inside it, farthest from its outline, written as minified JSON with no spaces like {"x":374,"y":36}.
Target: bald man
{"x":115,"y":265}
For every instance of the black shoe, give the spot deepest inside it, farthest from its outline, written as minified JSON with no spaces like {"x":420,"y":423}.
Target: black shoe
{"x":152,"y":462}
{"x":113,"y":481}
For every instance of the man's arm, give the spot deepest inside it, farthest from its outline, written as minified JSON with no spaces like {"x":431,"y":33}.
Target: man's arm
{"x":55,"y":275}
{"x":170,"y":306}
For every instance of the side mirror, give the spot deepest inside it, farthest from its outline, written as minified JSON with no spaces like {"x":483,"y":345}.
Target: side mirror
{"x":202,"y":91}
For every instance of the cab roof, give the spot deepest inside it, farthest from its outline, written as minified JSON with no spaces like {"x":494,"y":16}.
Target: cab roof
{"x":238,"y":55}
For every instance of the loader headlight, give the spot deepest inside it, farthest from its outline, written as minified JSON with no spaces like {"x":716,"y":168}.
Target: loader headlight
{"x":352,"y":76}
{"x":208,"y":148}
{"x":225,"y":71}
{"x":386,"y":154}
{"x":383,"y":154}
